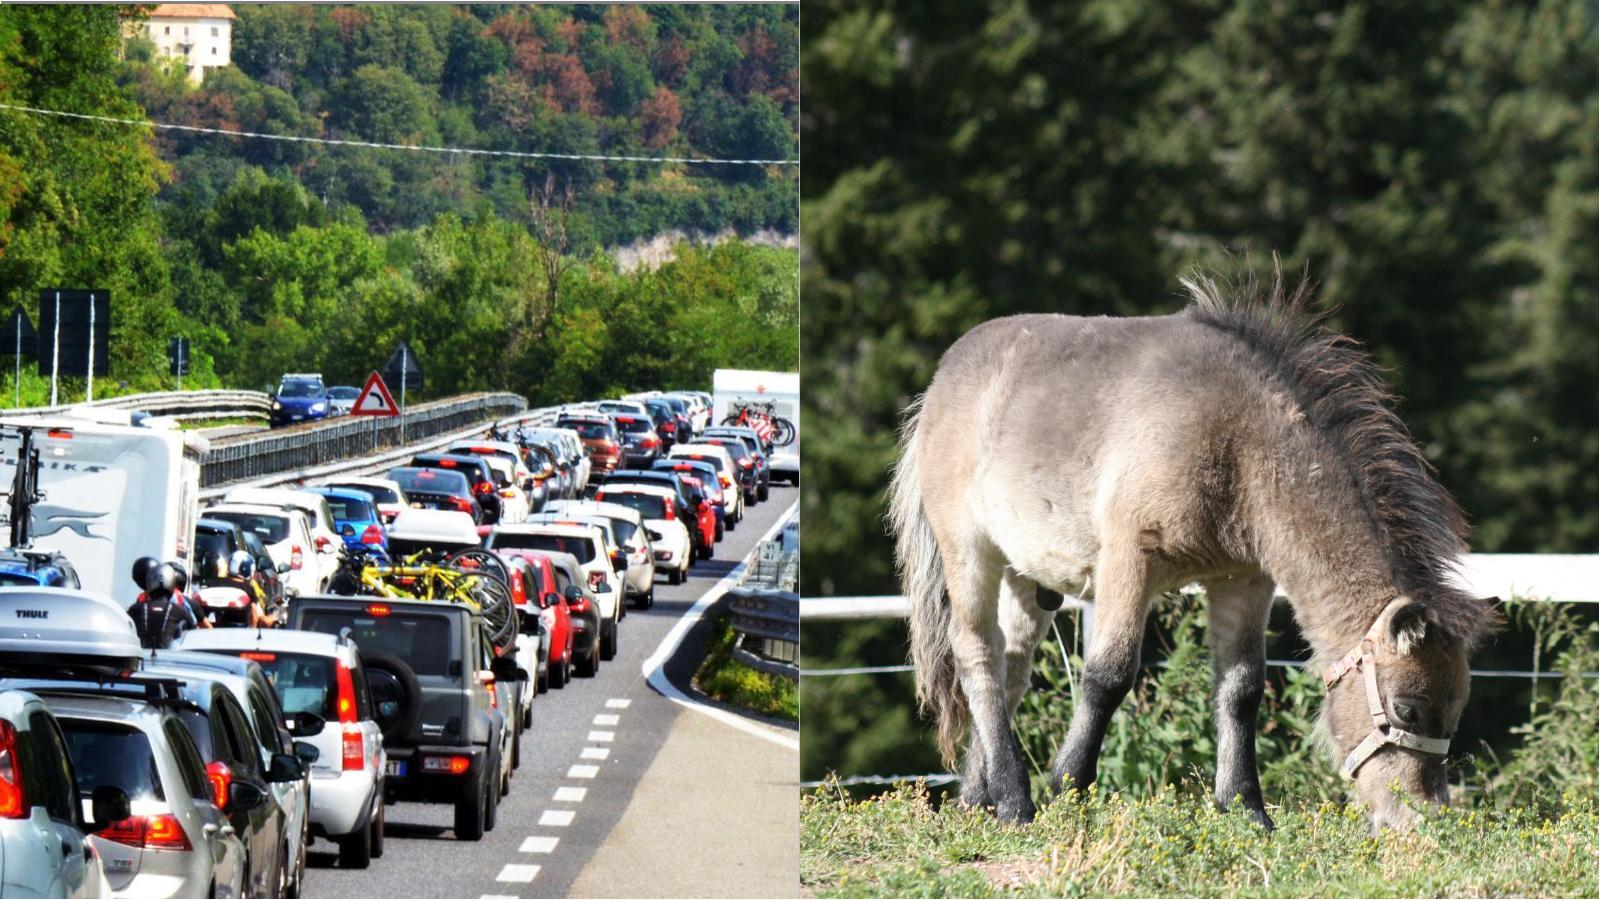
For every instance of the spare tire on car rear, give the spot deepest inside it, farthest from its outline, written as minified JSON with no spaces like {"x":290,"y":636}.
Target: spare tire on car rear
{"x":396,"y":694}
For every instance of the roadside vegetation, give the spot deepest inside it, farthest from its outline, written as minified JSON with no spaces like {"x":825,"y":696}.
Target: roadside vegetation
{"x":276,"y":257}
{"x":724,"y":678}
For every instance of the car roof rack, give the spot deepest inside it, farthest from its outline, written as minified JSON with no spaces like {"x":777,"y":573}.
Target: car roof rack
{"x":157,"y":690}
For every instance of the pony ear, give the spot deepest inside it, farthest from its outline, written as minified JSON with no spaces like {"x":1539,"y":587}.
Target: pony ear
{"x":1408,"y":625}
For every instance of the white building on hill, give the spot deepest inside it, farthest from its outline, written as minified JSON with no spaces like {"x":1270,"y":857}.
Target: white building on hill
{"x":200,"y":33}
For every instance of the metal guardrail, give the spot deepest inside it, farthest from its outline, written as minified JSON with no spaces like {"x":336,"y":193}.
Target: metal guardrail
{"x":257,"y":455}
{"x":203,"y":404}
{"x":764,"y":610}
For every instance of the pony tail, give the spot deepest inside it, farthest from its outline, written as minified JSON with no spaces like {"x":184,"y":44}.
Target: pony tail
{"x":922,"y":581}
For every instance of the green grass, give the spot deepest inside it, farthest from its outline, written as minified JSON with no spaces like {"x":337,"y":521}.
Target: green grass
{"x":1169,"y":844}
{"x":721,"y":677}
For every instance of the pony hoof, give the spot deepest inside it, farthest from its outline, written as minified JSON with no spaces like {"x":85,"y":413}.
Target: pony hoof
{"x":1015,"y":813}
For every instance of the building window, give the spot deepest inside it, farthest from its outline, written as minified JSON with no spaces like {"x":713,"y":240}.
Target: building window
{"x":213,"y":50}
{"x":167,"y":29}
{"x":213,"y":31}
{"x":185,"y":31}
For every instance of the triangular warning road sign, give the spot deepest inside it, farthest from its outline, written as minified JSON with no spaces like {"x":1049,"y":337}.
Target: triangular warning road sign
{"x":375,"y":399}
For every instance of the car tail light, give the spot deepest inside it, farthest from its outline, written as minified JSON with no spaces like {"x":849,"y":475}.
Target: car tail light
{"x":258,"y":656}
{"x":373,"y":535}
{"x":726,"y":481}
{"x":13,"y":801}
{"x":669,"y":510}
{"x":345,"y":683}
{"x":322,"y":541}
{"x":508,"y":492}
{"x":486,"y":678}
{"x":669,"y":427}
{"x":454,"y":765}
{"x":461,"y":504}
{"x":650,"y":440}
{"x":353,"y":749}
{"x":745,"y":462}
{"x":595,"y":578}
{"x":297,"y":559}
{"x":161,"y":832}
{"x":377,"y":609}
{"x":221,"y":778}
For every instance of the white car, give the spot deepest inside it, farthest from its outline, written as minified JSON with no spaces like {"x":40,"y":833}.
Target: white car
{"x":586,"y":542}
{"x":627,"y":531}
{"x":662,"y":519}
{"x":324,"y":535}
{"x":322,"y":675}
{"x":623,"y":407}
{"x":286,"y":533}
{"x":387,"y":494}
{"x":699,"y":410}
{"x":727,"y":475}
{"x":48,"y":855}
{"x":571,"y":451}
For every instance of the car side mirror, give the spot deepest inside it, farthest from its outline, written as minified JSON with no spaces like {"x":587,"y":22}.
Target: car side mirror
{"x":284,"y":767}
{"x":506,"y":669}
{"x":283,"y":568}
{"x":109,"y":804}
{"x":619,"y":561}
{"x":306,"y":753}
{"x":549,"y":600}
{"x":244,"y":796}
{"x":305,"y":724}
{"x":574,"y":593}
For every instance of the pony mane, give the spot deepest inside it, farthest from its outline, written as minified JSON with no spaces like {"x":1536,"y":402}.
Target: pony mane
{"x":1343,"y":395}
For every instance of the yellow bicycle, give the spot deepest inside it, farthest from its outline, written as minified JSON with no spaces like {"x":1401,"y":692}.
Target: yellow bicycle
{"x":472,"y":577}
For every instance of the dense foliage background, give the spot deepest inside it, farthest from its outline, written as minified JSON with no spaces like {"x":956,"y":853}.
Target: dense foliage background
{"x":1434,"y":163}
{"x":280,"y":257}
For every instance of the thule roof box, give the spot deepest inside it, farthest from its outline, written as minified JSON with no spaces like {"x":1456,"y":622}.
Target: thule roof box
{"x":56,"y":630}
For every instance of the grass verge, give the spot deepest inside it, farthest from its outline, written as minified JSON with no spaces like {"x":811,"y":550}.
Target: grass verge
{"x":724,"y":678}
{"x":1167,"y":844}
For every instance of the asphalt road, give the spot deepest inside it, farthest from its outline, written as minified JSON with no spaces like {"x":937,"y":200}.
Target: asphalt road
{"x":591,"y":745}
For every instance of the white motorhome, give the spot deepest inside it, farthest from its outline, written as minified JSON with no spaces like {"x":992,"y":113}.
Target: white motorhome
{"x":732,"y":386}
{"x":112,"y":493}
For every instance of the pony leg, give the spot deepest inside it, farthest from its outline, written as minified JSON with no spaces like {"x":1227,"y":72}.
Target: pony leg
{"x":978,"y":643}
{"x":1236,"y":627}
{"x":1024,"y":624}
{"x":1122,"y":602}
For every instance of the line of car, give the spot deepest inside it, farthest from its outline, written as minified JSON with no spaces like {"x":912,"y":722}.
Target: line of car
{"x":209,"y":768}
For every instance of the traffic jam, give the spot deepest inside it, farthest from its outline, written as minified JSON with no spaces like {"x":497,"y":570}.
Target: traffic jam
{"x":194,"y":698}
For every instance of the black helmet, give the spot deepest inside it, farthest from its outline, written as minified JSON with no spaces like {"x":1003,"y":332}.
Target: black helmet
{"x":182,"y":575}
{"x":141,"y":570}
{"x":162,"y":578}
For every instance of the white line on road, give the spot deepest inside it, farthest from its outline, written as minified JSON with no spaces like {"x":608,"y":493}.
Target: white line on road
{"x":520,"y":872}
{"x":539,"y":844}
{"x":618,"y":703}
{"x":571,"y":794}
{"x":595,"y":753}
{"x":607,"y":719}
{"x":557,"y":818}
{"x":654,"y":668}
{"x":583,"y":771}
{"x":602,"y":737}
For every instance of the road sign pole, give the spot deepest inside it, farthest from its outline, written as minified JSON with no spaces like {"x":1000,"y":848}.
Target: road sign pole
{"x":18,"y":357}
{"x":402,"y":394}
{"x":55,"y":352}
{"x":90,"y":396}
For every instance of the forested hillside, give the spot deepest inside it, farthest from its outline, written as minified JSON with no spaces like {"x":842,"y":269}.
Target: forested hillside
{"x":276,"y":256}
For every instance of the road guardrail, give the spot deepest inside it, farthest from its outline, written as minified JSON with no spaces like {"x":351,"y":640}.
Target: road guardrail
{"x":764,"y":609}
{"x":204,"y":404}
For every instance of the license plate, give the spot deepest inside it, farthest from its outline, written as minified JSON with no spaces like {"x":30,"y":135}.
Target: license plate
{"x":396,"y":767}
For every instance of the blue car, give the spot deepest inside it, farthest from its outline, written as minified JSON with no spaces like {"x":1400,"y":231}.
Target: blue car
{"x":36,"y":568}
{"x":356,"y":518}
{"x":300,"y":398}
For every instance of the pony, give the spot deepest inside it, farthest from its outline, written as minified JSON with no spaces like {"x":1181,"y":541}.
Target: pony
{"x":1239,"y":443}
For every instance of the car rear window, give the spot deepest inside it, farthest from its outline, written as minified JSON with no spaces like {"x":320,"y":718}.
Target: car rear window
{"x":379,"y":494}
{"x":593,"y":431}
{"x":303,"y":682}
{"x":634,"y":424}
{"x":299,"y":390}
{"x":580,"y":547}
{"x":431,"y":481}
{"x":648,"y":505}
{"x":216,"y":542}
{"x":104,"y":753}
{"x":419,"y":638}
{"x":347,"y":510}
{"x":271,"y":529}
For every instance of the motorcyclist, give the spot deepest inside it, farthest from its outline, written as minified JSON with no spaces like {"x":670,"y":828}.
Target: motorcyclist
{"x":162,"y":612}
{"x":241,"y":571}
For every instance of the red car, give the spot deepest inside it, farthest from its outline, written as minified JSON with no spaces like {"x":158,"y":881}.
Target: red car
{"x":535,"y":581}
{"x":600,"y":440}
{"x":704,"y":529}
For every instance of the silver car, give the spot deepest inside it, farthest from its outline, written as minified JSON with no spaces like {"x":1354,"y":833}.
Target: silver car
{"x":176,"y":842}
{"x":44,"y":837}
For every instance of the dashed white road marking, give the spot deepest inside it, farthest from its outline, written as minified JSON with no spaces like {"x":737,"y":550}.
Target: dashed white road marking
{"x":595,"y":753}
{"x":539,"y":844}
{"x":519,"y":872}
{"x":583,"y":771}
{"x":602,"y":737}
{"x":571,"y":794}
{"x":498,"y":897}
{"x":607,"y":719}
{"x":556,"y":818}
{"x":618,"y":703}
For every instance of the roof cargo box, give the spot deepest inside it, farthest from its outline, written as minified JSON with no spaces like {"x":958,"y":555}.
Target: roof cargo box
{"x":57,"y":630}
